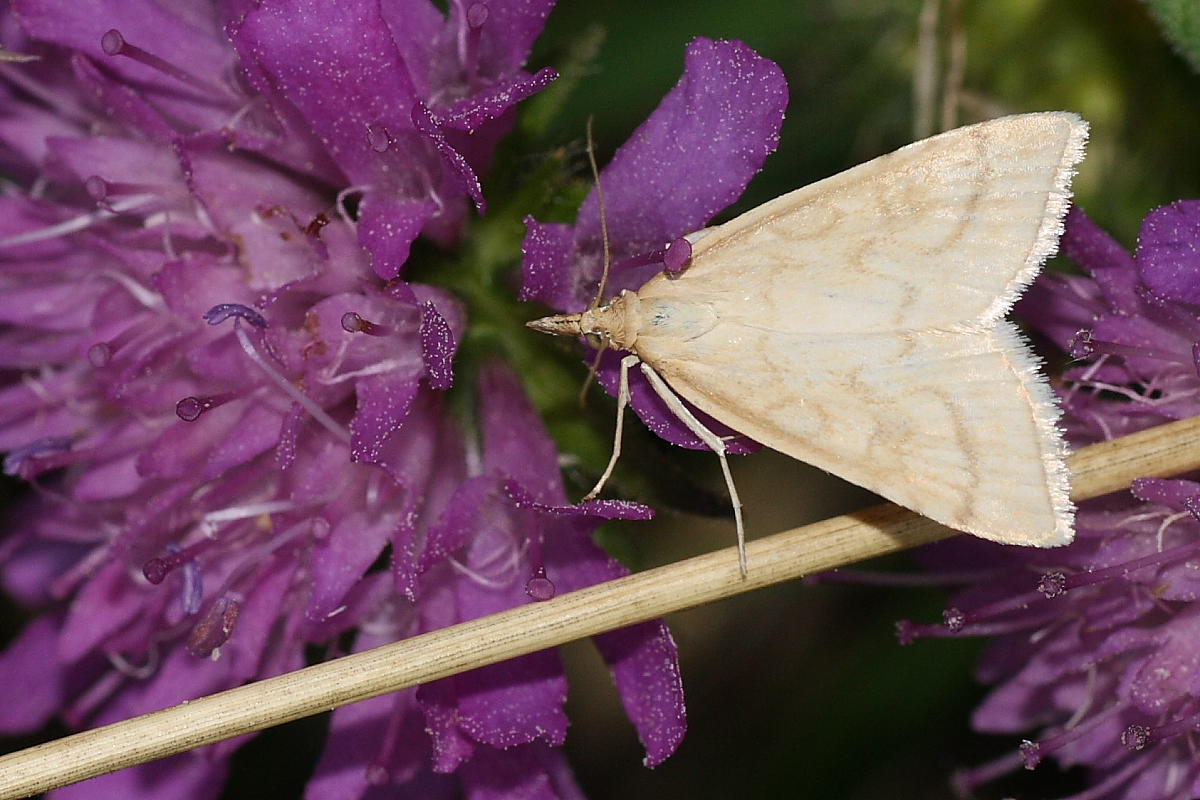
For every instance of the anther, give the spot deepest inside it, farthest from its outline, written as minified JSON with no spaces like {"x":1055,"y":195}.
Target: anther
{"x":677,"y":255}
{"x":223,"y":311}
{"x":214,"y":630}
{"x":539,"y":587}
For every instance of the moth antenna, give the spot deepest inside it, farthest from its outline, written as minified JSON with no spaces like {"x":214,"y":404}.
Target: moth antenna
{"x":591,"y":150}
{"x":592,"y":372}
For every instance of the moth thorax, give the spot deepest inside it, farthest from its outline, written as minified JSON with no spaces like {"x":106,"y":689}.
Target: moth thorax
{"x":616,"y":322}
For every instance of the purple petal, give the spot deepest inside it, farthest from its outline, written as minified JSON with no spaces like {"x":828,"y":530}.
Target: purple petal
{"x":261,"y":611}
{"x":416,"y":26}
{"x":437,"y":347}
{"x":1098,"y":254}
{"x":108,"y":479}
{"x":378,"y":740}
{"x":1170,"y":493}
{"x":470,"y":113}
{"x":645,"y":668}
{"x":189,"y":776}
{"x":32,"y":689}
{"x":515,"y":443}
{"x":256,"y":432}
{"x":451,"y":747}
{"x":183,"y":448}
{"x":387,"y":227}
{"x":514,"y":773}
{"x":108,"y":601}
{"x":1168,"y":251}
{"x":383,"y":403}
{"x":1167,"y":674}
{"x":693,"y":156}
{"x":120,"y":102}
{"x":643,"y":658}
{"x":118,"y":161}
{"x":456,"y":165}
{"x":340,"y":560}
{"x":514,"y":702}
{"x":548,"y":274}
{"x":260,"y":208}
{"x":337,"y":65}
{"x":1059,"y":306}
{"x":456,"y":524}
{"x":28,"y":570}
{"x":601,"y":509}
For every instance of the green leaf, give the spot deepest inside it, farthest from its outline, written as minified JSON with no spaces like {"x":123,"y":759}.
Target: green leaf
{"x":1180,"y":21}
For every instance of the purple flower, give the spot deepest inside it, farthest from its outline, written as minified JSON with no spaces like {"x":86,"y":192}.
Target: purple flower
{"x":1097,"y":646}
{"x":689,"y":160}
{"x":231,"y":409}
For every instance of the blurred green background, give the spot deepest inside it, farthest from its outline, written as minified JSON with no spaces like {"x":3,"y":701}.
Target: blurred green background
{"x":801,"y":690}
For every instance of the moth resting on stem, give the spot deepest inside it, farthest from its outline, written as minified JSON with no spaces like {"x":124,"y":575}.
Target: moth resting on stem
{"x":858,"y":324}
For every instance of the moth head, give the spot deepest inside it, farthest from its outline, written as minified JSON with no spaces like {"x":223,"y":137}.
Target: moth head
{"x":559,"y":325}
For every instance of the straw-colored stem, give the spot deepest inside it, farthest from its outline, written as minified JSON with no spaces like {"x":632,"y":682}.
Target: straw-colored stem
{"x":1166,"y":450}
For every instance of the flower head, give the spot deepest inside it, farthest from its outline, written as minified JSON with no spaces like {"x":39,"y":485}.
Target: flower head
{"x":1096,"y":645}
{"x":231,"y":406}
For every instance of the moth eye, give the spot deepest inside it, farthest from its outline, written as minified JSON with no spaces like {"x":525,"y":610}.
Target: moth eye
{"x":595,"y":340}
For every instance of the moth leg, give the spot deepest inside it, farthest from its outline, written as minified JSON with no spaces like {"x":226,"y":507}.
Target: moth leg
{"x":711,"y":440}
{"x":622,"y":401}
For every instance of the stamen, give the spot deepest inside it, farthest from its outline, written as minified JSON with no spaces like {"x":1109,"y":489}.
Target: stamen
{"x":640,"y":260}
{"x":1032,"y":753}
{"x":1051,"y":585}
{"x":477,"y":14}
{"x":1124,"y":570}
{"x":1136,"y":737}
{"x":908,"y":631}
{"x":353,"y":323}
{"x":134,"y":194}
{"x":1085,"y":345}
{"x":191,"y":407}
{"x":157,"y":569}
{"x":114,"y":44}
